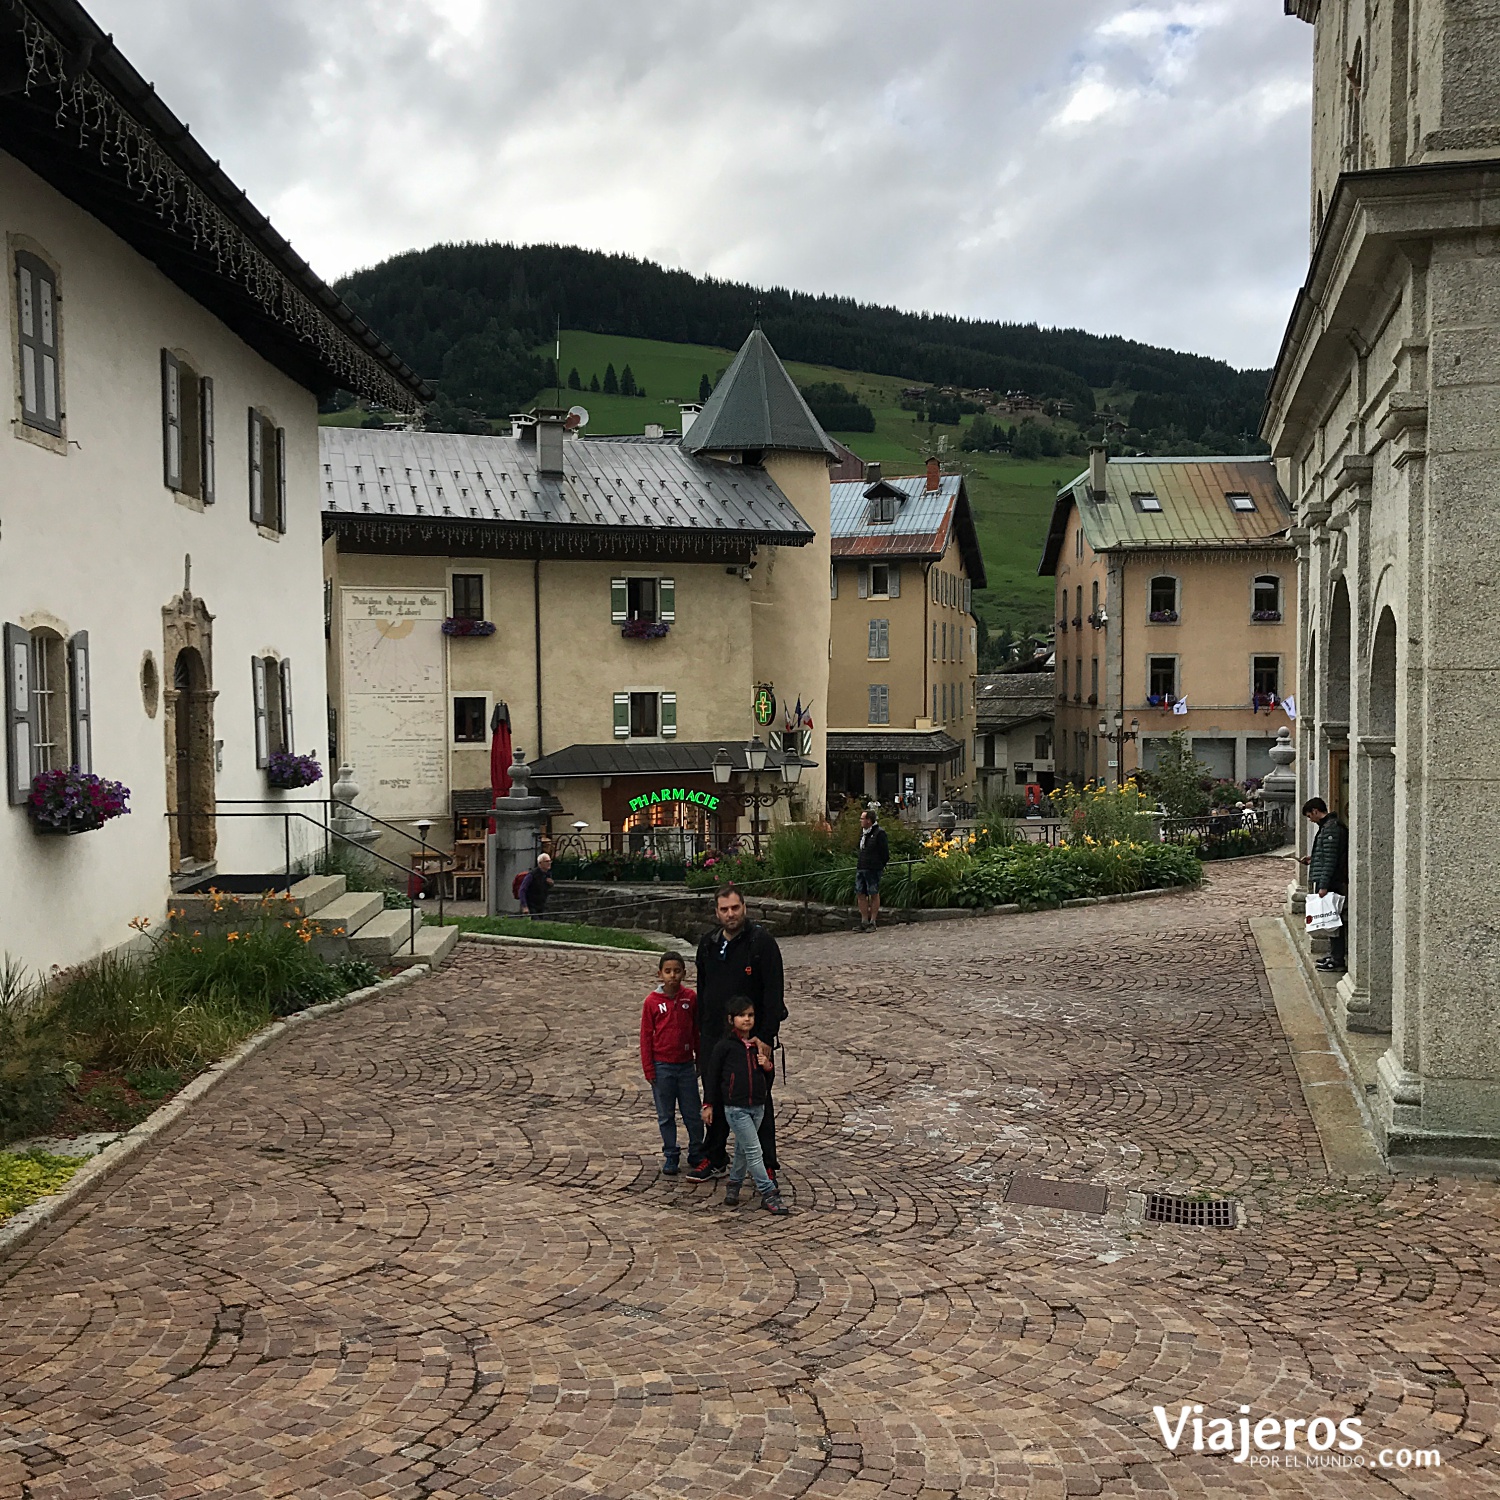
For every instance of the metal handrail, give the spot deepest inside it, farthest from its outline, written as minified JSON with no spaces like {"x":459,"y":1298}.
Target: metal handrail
{"x":329,"y":832}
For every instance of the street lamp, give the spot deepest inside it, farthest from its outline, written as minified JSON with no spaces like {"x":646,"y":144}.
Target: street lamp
{"x":723,"y":767}
{"x":791,"y":770}
{"x":1119,"y":737}
{"x":755,"y":755}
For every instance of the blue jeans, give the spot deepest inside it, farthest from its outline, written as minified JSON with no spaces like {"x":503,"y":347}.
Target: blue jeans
{"x":745,"y":1124}
{"x":676,"y":1087}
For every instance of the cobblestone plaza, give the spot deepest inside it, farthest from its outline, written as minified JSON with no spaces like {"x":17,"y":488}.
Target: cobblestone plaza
{"x":424,"y":1248}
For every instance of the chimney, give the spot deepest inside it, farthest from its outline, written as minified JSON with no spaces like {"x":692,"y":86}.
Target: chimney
{"x":1098,"y":461}
{"x":689,"y":410}
{"x":872,"y":473}
{"x":655,"y":430}
{"x":934,"y":475}
{"x":549,"y":443}
{"x":520,"y":422}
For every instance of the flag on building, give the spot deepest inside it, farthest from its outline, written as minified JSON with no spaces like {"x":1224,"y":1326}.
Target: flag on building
{"x":1290,"y":705}
{"x":1180,"y":706}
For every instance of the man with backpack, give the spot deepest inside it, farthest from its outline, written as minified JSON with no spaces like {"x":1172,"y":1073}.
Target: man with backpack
{"x":532,"y":888}
{"x":737,"y":958}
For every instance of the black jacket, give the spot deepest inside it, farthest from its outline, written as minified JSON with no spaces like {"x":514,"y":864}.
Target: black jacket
{"x":733,"y":1076}
{"x":535,"y":890}
{"x":748,"y":964}
{"x":1329,"y":870}
{"x":874,"y":850}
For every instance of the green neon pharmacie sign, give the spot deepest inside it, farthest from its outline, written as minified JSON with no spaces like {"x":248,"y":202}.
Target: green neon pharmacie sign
{"x":704,"y":800}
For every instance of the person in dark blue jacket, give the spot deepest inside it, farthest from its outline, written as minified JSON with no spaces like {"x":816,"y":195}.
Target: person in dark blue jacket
{"x":737,"y":1080}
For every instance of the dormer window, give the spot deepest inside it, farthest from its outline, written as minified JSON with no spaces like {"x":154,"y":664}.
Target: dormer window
{"x":884,"y":500}
{"x":1239,"y":500}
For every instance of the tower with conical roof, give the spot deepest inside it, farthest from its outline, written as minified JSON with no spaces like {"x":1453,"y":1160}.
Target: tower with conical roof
{"x":756,"y":416}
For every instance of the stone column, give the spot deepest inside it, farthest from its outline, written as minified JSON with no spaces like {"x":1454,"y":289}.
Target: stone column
{"x":356,"y":832}
{"x":1365,"y":990}
{"x":512,"y":847}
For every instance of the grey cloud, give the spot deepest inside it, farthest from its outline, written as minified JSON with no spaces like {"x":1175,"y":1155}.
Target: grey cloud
{"x":1130,"y":166}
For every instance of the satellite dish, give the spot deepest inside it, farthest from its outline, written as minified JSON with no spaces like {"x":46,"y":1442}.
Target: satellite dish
{"x":578,"y":416}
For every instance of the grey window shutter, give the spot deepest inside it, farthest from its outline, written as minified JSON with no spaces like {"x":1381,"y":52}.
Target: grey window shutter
{"x":934,"y":701}
{"x":833,"y":581}
{"x":257,"y":439}
{"x":885,"y":637}
{"x":36,"y":297}
{"x":934,"y":640}
{"x":622,"y":716}
{"x":206,"y":426}
{"x":619,"y":600}
{"x":874,"y":704}
{"x":288,"y":738}
{"x":874,"y":638}
{"x":281,"y":479}
{"x":885,"y":704}
{"x":79,"y":702}
{"x":936,"y":583}
{"x":262,"y":726}
{"x":20,"y":714}
{"x":668,"y":600}
{"x":893,"y":588}
{"x":864,"y":580}
{"x":171,"y":420}
{"x":669,"y":715}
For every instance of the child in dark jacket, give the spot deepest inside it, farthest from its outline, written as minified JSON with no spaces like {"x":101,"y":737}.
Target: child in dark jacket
{"x":737,"y":1078}
{"x":669,"y":1052}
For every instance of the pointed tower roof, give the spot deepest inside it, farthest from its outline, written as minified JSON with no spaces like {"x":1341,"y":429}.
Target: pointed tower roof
{"x":756,"y":406}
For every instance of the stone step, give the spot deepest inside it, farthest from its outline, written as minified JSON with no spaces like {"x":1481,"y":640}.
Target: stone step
{"x":433,"y":946}
{"x":314,"y":892}
{"x":384,"y":934}
{"x":351,"y":911}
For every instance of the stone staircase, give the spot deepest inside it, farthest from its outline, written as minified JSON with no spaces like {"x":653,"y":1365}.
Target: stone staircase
{"x":346,"y":924}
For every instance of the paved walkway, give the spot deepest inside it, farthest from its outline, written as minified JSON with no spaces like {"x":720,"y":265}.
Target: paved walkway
{"x":423,"y":1249}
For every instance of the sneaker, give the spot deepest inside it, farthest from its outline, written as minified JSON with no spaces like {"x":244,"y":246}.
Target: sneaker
{"x":705,"y":1171}
{"x":774,"y":1205}
{"x":669,"y":1169}
{"x":731,"y":1194}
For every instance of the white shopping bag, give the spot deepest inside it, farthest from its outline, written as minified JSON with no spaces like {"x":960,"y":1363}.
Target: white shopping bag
{"x":1325,"y":913}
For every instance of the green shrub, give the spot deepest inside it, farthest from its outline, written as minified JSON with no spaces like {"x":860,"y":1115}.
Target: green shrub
{"x":1179,"y":777}
{"x":155,"y":1083}
{"x":29,"y":1175}
{"x":1032,"y":875}
{"x":1104,"y":814}
{"x":35,"y":1069}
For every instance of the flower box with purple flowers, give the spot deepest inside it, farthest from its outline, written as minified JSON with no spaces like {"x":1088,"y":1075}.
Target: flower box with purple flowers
{"x":645,"y":630}
{"x":457,"y":625}
{"x":74,"y":801}
{"x":1266,"y":617}
{"x":1163,"y":617}
{"x":287,"y":772}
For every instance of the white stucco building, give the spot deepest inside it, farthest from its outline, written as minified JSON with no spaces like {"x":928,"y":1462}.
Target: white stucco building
{"x":160,"y":571}
{"x":1384,"y":416}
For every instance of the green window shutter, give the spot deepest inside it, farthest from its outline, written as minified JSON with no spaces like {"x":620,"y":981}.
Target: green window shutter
{"x":668,"y":600}
{"x":619,"y":602}
{"x":893,"y":588}
{"x":171,"y":420}
{"x":82,"y":715}
{"x":622,"y":716}
{"x":669,"y":715}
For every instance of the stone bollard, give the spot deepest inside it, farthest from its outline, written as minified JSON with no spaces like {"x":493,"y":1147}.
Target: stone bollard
{"x":512,"y":847}
{"x":357,"y":832}
{"x":1279,"y":790}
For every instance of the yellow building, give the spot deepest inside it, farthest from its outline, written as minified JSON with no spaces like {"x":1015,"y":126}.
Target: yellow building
{"x":905,"y":563}
{"x":629,"y":600}
{"x":1176,"y":610}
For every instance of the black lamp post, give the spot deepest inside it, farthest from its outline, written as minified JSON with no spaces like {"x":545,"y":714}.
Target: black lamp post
{"x":1119,"y":738}
{"x":756,"y":800}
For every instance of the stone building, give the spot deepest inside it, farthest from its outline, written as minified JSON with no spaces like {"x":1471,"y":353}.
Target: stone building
{"x":159,"y":529}
{"x":1384,"y":416}
{"x":1013,"y":726}
{"x":1176,"y":597}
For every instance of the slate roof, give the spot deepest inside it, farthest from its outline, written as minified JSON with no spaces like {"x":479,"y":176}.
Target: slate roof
{"x":1004,"y":699}
{"x":924,"y":525}
{"x":756,"y":407}
{"x":645,"y":758}
{"x":464,"y":479}
{"x":1195,"y":511}
{"x":899,"y":744}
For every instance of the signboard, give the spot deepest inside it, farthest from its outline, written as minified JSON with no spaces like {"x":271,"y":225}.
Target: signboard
{"x":704,"y":800}
{"x":764,"y":704}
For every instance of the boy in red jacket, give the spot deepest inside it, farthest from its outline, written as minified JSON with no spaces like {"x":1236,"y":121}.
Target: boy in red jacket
{"x":669,"y":1050}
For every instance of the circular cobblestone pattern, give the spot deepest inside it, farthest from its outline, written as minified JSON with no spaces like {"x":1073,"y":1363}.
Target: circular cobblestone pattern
{"x":424,"y":1248}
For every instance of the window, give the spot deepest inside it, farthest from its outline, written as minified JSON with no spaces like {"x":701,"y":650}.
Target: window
{"x":1161,"y":677}
{"x":648,"y":601}
{"x":1163,"y":600}
{"x":1094,"y":681}
{"x":833,"y":580}
{"x":271,"y":683}
{"x":468,"y":721}
{"x":47,"y":705}
{"x":267,"y":472}
{"x":945,"y":640}
{"x":1077,"y":679}
{"x":968,"y":596}
{"x":1043,"y":749}
{"x":1265,"y":679}
{"x":1078,"y":605}
{"x":880,"y":703}
{"x":882,"y":509}
{"x":38,"y":348}
{"x":880,"y":579}
{"x":645,"y":715}
{"x":1144,"y":500}
{"x":934,"y":640}
{"x":1078,"y":543}
{"x":1266,"y":599}
{"x":936,"y":585}
{"x":1239,"y":500}
{"x":187,"y":428}
{"x":1094,"y":599}
{"x":880,"y":640}
{"x":1062,"y":681}
{"x":934,"y":703}
{"x":468,"y":599}
{"x":945,"y":703}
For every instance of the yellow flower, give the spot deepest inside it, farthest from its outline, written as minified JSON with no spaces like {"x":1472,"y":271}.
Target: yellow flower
{"x":232,"y":936}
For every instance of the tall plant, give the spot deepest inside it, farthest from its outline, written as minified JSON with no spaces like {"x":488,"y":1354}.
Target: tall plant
{"x":1179,"y":778}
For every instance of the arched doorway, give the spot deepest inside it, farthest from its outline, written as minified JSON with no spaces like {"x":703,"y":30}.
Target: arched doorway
{"x":192,"y":767}
{"x":1335,"y":701}
{"x":1376,"y":839}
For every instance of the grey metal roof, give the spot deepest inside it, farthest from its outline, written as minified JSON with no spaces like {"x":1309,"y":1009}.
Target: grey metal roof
{"x":644,"y":758}
{"x":366,"y":472}
{"x":1002,"y":699}
{"x":924,"y":525}
{"x":756,"y":406}
{"x":908,"y":744}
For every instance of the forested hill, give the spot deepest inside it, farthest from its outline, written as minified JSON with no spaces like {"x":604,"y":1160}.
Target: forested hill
{"x":473,"y":314}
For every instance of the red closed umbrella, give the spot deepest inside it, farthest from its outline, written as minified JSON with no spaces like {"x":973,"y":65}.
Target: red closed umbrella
{"x":500,"y":753}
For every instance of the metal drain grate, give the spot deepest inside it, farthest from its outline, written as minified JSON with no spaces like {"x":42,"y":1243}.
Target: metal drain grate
{"x":1200,"y":1213}
{"x":1048,"y":1192}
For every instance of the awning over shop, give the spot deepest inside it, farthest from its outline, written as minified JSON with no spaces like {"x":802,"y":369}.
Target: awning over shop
{"x":651,"y":758}
{"x":911,"y":746}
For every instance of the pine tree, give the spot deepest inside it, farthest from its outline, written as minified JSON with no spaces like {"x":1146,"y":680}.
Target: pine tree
{"x":611,"y":381}
{"x":627,"y":382}
{"x":574,"y":383}
{"x":593,"y":382}
{"x":705,"y":388}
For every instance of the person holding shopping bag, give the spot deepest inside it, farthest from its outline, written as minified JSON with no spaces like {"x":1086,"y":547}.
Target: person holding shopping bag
{"x":1328,"y":870}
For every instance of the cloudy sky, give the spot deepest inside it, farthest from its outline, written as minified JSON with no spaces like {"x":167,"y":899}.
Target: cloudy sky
{"x":1126,"y":166}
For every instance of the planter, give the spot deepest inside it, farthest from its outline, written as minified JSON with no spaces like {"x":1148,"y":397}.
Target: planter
{"x":287,"y":773}
{"x":453,"y":625}
{"x":645,"y":630}
{"x":74,"y":801}
{"x":1163,"y":617}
